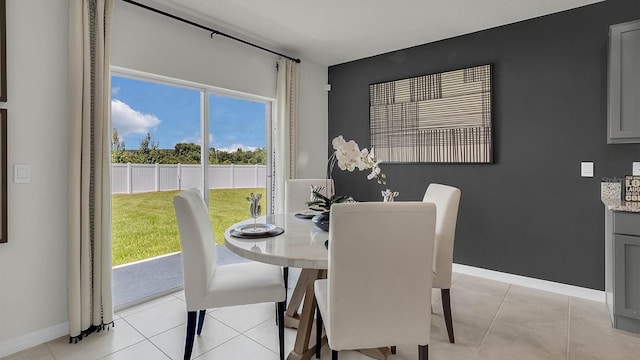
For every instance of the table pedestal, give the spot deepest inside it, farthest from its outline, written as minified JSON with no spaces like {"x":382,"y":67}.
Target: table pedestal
{"x":303,"y":294}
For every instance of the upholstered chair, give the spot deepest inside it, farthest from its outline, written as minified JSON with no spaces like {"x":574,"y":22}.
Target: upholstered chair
{"x":376,"y":252}
{"x":447,"y":199}
{"x":208,"y":286}
{"x":298,"y":192}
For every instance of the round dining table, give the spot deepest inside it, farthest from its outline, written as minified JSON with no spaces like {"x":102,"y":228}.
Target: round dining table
{"x":301,"y":245}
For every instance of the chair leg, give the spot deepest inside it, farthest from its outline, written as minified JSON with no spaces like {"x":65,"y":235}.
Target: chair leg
{"x":281,"y":307}
{"x":423,"y":352}
{"x":191,"y":332}
{"x":318,"y":333}
{"x":446,"y":309}
{"x":285,"y":276}
{"x":201,"y":317}
{"x":334,"y":355}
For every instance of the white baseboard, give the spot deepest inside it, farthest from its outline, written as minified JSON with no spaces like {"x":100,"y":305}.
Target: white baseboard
{"x":545,"y":285}
{"x":35,"y":338}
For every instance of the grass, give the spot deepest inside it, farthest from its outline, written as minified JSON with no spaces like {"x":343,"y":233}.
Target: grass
{"x":144,"y":225}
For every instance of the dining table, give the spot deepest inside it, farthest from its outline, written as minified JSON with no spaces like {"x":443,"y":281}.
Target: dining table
{"x":301,"y":245}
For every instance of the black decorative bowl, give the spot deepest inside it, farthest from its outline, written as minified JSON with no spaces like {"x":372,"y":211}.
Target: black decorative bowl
{"x":322,"y":221}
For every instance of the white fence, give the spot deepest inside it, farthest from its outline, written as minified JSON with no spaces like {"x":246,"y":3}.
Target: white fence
{"x":137,"y":178}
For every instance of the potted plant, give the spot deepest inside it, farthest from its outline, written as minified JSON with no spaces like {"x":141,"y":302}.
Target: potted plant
{"x":323,"y":203}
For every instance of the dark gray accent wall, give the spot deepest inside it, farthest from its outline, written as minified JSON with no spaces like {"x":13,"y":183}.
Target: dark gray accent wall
{"x":530,"y":213}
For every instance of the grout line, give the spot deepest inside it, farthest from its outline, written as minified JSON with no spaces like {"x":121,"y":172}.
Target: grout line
{"x":492,"y":322}
{"x":569,"y":328}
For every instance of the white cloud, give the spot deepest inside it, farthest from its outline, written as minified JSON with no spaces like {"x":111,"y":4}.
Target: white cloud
{"x":235,"y":147}
{"x":115,"y":90}
{"x":130,"y":121}
{"x":195,"y":139}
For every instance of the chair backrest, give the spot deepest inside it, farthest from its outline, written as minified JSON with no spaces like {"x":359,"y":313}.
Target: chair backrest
{"x":197,"y":243}
{"x":447,"y":200}
{"x":298,"y":192}
{"x":380,"y":271}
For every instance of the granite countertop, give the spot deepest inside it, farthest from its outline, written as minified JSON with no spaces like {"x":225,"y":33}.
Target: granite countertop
{"x":619,"y":205}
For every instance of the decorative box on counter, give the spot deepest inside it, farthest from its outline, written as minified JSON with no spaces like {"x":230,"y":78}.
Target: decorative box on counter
{"x":631,"y":188}
{"x":611,"y":189}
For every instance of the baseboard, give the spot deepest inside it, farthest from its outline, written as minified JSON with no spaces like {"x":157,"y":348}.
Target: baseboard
{"x":35,"y":338}
{"x":545,"y":285}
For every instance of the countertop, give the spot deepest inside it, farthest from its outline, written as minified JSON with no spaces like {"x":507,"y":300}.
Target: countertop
{"x":619,"y":205}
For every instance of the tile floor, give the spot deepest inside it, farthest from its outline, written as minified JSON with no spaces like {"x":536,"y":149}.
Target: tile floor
{"x":492,"y":321}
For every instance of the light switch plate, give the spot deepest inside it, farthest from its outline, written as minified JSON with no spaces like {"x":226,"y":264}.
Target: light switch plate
{"x":22,"y":174}
{"x":586,"y":169}
{"x":635,"y":169}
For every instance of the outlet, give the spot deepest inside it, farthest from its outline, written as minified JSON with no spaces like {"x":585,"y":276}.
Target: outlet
{"x":586,"y":169}
{"x":22,"y":174}
{"x":635,"y":168}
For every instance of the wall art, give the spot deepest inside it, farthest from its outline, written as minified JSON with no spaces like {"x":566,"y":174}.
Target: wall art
{"x":438,"y":118}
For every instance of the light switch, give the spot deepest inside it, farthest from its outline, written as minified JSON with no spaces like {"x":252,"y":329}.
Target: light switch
{"x":635,"y":168}
{"x":22,"y":174}
{"x":586,"y":169}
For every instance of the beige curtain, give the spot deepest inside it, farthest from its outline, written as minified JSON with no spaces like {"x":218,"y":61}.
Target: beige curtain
{"x":89,"y":247}
{"x":285,"y":130}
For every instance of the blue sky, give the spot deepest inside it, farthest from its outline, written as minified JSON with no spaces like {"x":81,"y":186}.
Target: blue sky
{"x":172,"y":115}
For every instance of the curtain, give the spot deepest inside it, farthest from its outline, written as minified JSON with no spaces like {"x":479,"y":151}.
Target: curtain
{"x":285,"y":130}
{"x":89,"y":244}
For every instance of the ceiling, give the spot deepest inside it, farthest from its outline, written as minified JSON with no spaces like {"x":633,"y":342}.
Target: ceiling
{"x":331,"y":32}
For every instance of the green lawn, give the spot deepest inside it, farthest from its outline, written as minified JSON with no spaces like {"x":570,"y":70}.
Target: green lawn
{"x":144,"y":225}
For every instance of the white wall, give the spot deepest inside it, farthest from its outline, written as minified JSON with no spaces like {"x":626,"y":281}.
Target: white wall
{"x":152,"y":43}
{"x":33,"y":264}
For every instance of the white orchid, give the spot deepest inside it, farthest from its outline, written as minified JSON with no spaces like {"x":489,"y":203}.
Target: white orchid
{"x":347,"y":154}
{"x":349,"y":157}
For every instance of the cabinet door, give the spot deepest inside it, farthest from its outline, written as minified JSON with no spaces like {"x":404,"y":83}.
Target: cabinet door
{"x":624,"y":83}
{"x":627,"y":275}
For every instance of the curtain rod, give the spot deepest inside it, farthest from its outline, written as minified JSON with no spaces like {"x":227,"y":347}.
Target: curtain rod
{"x":213,"y":31}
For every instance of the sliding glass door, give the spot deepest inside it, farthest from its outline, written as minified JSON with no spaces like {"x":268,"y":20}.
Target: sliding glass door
{"x":168,"y":136}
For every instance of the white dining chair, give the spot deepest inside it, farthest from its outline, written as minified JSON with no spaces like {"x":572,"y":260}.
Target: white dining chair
{"x":376,"y":251}
{"x":209,"y":286}
{"x":447,"y":200}
{"x":298,"y":192}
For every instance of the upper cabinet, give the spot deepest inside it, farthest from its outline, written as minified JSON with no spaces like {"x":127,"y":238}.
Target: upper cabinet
{"x":624,"y":83}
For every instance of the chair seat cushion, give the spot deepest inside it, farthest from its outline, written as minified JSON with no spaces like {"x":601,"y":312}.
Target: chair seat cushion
{"x":244,"y":283}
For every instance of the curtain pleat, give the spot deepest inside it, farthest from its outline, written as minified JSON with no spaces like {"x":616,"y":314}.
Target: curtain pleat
{"x":285,"y":130}
{"x":89,"y":245}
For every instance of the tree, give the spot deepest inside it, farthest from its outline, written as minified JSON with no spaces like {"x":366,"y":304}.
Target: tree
{"x":148,"y":153}
{"x":187,"y":153}
{"x":117,"y":148}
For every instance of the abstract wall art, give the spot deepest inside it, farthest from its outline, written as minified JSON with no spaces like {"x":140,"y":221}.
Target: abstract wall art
{"x":438,"y":118}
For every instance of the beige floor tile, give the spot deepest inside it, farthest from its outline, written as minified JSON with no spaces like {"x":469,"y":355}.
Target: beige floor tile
{"x":470,"y":302}
{"x":448,"y":351}
{"x":96,"y":345}
{"x":609,"y":349}
{"x":594,"y":338}
{"x":239,"y":348}
{"x":245,"y":317}
{"x":533,"y":296}
{"x":548,"y":318}
{"x":141,"y":350}
{"x":488,"y":287}
{"x":145,"y":306}
{"x":214,"y":333}
{"x":593,"y":311}
{"x":266,"y":334}
{"x":469,"y":330}
{"x":508,"y":342}
{"x":40,"y":352}
{"x":154,"y":320}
